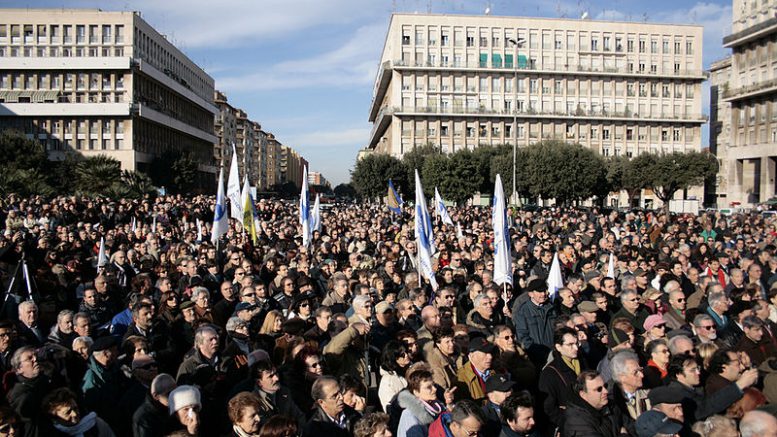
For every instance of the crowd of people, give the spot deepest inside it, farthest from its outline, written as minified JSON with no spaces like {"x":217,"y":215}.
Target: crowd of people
{"x":175,"y":335}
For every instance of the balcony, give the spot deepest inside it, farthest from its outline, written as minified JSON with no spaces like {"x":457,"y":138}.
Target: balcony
{"x":749,"y":34}
{"x":768,"y":86}
{"x":563,"y":69}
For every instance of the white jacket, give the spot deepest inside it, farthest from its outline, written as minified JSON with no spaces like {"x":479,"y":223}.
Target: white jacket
{"x":390,"y":385}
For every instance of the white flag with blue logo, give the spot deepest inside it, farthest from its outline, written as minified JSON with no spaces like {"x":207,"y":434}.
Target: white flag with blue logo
{"x":304,"y":209}
{"x":423,"y":234}
{"x":220,"y":220}
{"x":315,"y":215}
{"x":439,"y":208}
{"x":503,"y":272}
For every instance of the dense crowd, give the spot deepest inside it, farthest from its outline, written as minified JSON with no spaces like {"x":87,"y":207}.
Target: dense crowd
{"x":175,"y":335}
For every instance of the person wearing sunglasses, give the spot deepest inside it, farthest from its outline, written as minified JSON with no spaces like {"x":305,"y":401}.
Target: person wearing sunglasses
{"x":466,"y":419}
{"x":587,"y":412}
{"x":675,"y":315}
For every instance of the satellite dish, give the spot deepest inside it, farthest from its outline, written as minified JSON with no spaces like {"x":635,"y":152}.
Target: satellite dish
{"x":488,"y":11}
{"x":584,"y":16}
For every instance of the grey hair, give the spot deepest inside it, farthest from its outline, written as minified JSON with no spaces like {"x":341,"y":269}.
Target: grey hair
{"x":479,"y":298}
{"x":317,"y":391}
{"x":197,"y":291}
{"x":24,"y":304}
{"x":360,"y":300}
{"x":64,"y":313}
{"x":162,"y":385}
{"x":626,"y":294}
{"x":83,"y":339}
{"x":715,"y":298}
{"x":667,"y":288}
{"x":16,"y":358}
{"x":233,"y":323}
{"x":753,"y":423}
{"x":199,"y":334}
{"x":700,"y":318}
{"x":672,"y":343}
{"x":625,"y":280}
{"x":618,"y":363}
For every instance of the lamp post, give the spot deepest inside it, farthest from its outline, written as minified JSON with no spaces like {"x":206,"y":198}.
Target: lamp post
{"x":516,"y":43}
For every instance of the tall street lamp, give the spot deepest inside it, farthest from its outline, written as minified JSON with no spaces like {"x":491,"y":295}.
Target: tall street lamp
{"x":516,"y":43}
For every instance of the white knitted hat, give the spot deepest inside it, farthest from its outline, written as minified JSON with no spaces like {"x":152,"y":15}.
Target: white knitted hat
{"x":183,"y":396}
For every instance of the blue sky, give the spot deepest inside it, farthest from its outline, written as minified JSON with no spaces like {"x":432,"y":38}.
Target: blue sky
{"x":304,"y":69}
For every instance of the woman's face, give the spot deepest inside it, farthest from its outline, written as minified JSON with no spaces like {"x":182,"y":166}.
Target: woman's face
{"x":314,"y":366}
{"x":66,"y":414}
{"x":403,"y":360}
{"x":426,"y":391}
{"x":249,"y":420}
{"x":276,"y":327}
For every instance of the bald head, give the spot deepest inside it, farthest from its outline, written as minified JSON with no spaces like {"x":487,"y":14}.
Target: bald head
{"x":431,"y":316}
{"x":758,"y":424}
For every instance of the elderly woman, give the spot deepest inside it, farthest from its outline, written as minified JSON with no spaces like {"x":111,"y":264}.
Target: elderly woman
{"x":63,"y":417}
{"x":243,"y":412}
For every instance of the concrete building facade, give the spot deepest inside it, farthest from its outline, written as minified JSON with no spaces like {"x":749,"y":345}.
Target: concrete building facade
{"x":746,"y":87}
{"x":467,"y":81}
{"x":95,"y":82}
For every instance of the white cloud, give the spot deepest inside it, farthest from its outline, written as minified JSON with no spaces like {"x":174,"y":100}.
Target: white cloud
{"x":237,"y":23}
{"x":612,"y":15}
{"x":353,"y":63}
{"x":716,"y":19}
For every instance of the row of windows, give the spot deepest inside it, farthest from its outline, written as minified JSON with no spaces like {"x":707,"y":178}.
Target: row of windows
{"x":160,"y":98}
{"x":62,"y":81}
{"x":473,"y":84}
{"x":61,"y":34}
{"x":535,"y":130}
{"x":408,"y":145}
{"x":163,"y":60}
{"x":156,"y":139}
{"x":57,"y":52}
{"x":547,"y":39}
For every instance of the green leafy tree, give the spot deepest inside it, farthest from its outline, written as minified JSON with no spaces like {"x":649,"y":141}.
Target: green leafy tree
{"x":345,"y":191}
{"x":565,"y":172}
{"x":415,"y":159}
{"x":25,"y":168}
{"x":371,"y":174}
{"x":97,"y":175}
{"x":185,"y":170}
{"x":677,"y":171}
{"x":135,"y":184}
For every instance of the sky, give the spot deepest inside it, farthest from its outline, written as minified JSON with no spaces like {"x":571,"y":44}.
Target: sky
{"x":305,"y":69}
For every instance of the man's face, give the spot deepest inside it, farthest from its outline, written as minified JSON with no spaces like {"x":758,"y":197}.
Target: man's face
{"x":65,"y":324}
{"x":567,"y":298}
{"x":524,"y":421}
{"x":210,"y":344}
{"x":227,"y":291}
{"x":633,"y":374}
{"x":269,"y":382}
{"x":485,"y":309}
{"x":144,"y":318}
{"x":468,"y":427}
{"x":366,"y":310}
{"x":341,"y":287}
{"x":322,"y":321}
{"x":101,"y":285}
{"x":29,"y":315}
{"x":595,"y":393}
{"x":248,"y":295}
{"x":569,"y":347}
{"x":505,"y":341}
{"x":332,"y":402}
{"x":677,"y":300}
{"x":82,"y":327}
{"x":631,"y":303}
{"x":446,"y":298}
{"x":691,"y":374}
{"x":733,"y":369}
{"x":755,"y":333}
{"x":28,"y":366}
{"x":6,"y":338}
{"x":672,"y":411}
{"x":481,"y":360}
{"x":538,"y":297}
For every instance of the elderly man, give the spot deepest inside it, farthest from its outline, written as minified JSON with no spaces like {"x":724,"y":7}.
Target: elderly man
{"x":705,"y":329}
{"x":201,"y":366}
{"x":675,"y":316}
{"x":534,"y":322}
{"x":482,"y":317}
{"x":430,"y":317}
{"x":362,"y":310}
{"x":104,"y":382}
{"x":758,"y":424}
{"x":632,"y":310}
{"x":27,"y":328}
{"x":511,"y":359}
{"x":31,"y":386}
{"x":472,"y":376}
{"x":336,"y":299}
{"x":274,"y":398}
{"x":331,"y":418}
{"x":152,"y":418}
{"x":627,"y":398}
{"x":753,"y":342}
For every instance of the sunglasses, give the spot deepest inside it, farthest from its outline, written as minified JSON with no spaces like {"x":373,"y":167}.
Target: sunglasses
{"x":249,"y":295}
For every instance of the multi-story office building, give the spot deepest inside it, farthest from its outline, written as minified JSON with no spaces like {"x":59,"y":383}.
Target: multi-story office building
{"x":747,"y":88}
{"x":715,"y":192}
{"x":273,"y":165}
{"x":225,"y":127}
{"x":466,"y":81}
{"x":95,"y":82}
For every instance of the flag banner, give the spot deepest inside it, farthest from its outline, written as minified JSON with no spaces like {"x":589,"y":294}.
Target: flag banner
{"x":423,"y":234}
{"x":503,"y":272}
{"x":102,"y":257}
{"x":440,"y":210}
{"x":220,"y":219}
{"x":459,"y":232}
{"x":315,"y":217}
{"x":555,"y":280}
{"x":611,"y":266}
{"x":233,"y":188}
{"x":304,"y":209}
{"x":248,"y":212}
{"x":394,"y":201}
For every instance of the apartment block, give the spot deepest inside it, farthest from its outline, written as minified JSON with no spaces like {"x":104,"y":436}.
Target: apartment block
{"x":96,"y":82}
{"x":746,"y":88}
{"x":292,"y":166}
{"x":459,"y":81}
{"x":316,"y":178}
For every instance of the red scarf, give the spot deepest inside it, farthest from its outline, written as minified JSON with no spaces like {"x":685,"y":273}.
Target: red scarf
{"x":652,"y":363}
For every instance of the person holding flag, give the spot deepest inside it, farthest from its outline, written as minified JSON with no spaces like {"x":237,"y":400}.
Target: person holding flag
{"x":423,"y":236}
{"x":233,"y":188}
{"x":503,"y":273}
{"x":220,"y":220}
{"x":393,"y":200}
{"x":440,"y":210}
{"x":249,"y":213}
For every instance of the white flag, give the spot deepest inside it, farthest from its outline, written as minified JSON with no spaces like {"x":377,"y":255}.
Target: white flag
{"x":134,"y":225}
{"x":233,"y":189}
{"x":304,"y":209}
{"x":555,"y":280}
{"x":220,"y":220}
{"x":503,"y":272}
{"x":199,"y":230}
{"x":315,"y":215}
{"x":423,"y":234}
{"x":611,"y":267}
{"x":459,"y":232}
{"x":439,"y":207}
{"x":102,"y":257}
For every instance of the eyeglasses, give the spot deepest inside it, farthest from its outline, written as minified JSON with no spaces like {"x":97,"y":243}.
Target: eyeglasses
{"x":598,"y":389}
{"x":508,"y":337}
{"x":315,"y":365}
{"x":681,"y":300}
{"x":249,"y":295}
{"x":304,"y":304}
{"x":708,"y":328}
{"x":470,"y":433}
